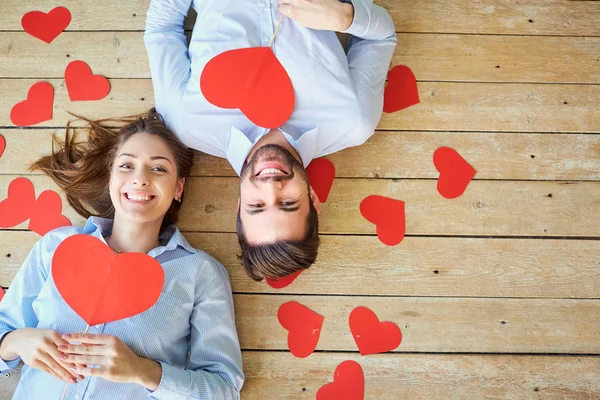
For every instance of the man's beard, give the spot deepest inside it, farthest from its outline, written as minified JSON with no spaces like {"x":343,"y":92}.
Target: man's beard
{"x":274,"y":152}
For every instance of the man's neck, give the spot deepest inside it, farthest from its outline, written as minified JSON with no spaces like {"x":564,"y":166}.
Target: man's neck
{"x":275,"y":136}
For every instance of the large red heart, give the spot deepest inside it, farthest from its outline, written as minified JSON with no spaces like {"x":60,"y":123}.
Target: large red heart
{"x":252,"y":80}
{"x":348,"y":383}
{"x":46,"y":214}
{"x":303,"y":326}
{"x":372,"y":336}
{"x":101,"y":286}
{"x":2,"y":145}
{"x":388,"y":215}
{"x":19,"y":203}
{"x":321,"y":173}
{"x":401,"y":90}
{"x":82,"y":85}
{"x":36,"y":108}
{"x":280,"y":283}
{"x":455,"y":172}
{"x":44,"y":26}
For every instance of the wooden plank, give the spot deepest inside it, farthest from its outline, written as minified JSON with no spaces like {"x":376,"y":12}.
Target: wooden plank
{"x":548,"y":17}
{"x":391,"y":154}
{"x":432,"y":57}
{"x":419,"y":267}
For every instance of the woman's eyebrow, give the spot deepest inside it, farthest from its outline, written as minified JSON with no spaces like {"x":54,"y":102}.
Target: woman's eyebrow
{"x":152,"y":158}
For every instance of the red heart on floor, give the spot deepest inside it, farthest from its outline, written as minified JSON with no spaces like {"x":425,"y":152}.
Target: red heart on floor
{"x":455,"y":172}
{"x":401,"y":90}
{"x":321,"y":173}
{"x":372,"y":336}
{"x":280,"y":283}
{"x":2,"y":145}
{"x":252,"y":80}
{"x":47,"y":213}
{"x":44,"y":26}
{"x":388,"y":215}
{"x":36,"y":108}
{"x":303,"y":326}
{"x":1,"y":293}
{"x":101,"y":286}
{"x":82,"y":85}
{"x":348,"y":383}
{"x":19,"y":203}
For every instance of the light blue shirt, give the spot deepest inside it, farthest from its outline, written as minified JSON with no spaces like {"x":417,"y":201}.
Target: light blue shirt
{"x":338,"y":96}
{"x":193,"y":314}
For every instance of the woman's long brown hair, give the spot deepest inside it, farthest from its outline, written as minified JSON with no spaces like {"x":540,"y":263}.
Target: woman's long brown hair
{"x":82,"y":168}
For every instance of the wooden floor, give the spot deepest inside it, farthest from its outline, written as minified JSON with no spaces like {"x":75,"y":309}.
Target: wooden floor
{"x":497,"y":292}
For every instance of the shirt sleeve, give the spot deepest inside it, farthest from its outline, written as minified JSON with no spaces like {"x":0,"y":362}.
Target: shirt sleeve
{"x":16,"y":309}
{"x":214,"y":369}
{"x":168,"y":55}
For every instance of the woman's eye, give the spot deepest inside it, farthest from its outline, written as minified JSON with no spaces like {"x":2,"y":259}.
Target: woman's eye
{"x":126,"y":166}
{"x":159,"y":169}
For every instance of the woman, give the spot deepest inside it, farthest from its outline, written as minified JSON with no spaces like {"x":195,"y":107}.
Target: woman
{"x":130,"y":186}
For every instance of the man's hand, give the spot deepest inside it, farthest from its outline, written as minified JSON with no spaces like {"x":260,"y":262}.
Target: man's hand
{"x":330,"y":15}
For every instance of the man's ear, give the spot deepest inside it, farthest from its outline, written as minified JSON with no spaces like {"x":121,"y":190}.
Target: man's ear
{"x":239,"y":202}
{"x":315,"y":200}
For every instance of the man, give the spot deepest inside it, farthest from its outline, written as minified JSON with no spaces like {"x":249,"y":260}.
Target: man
{"x":338,"y":104}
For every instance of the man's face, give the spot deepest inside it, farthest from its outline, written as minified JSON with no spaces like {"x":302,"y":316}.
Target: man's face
{"x":274,"y":196}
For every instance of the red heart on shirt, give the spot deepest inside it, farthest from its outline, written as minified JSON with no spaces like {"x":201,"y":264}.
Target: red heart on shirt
{"x":2,"y":145}
{"x":372,"y":336}
{"x":48,"y":26}
{"x":348,"y":383}
{"x":455,"y":172}
{"x":47,"y":213}
{"x":101,"y":286}
{"x":19,"y":203}
{"x":36,"y":108}
{"x":401,"y":90}
{"x":321,"y":173}
{"x":388,"y":215}
{"x":303,"y":326}
{"x":82,"y":85}
{"x":252,"y":80}
{"x":280,"y":283}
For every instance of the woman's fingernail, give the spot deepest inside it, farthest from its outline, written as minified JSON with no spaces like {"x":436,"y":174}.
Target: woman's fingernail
{"x":64,"y":356}
{"x":63,"y":347}
{"x":67,"y":335}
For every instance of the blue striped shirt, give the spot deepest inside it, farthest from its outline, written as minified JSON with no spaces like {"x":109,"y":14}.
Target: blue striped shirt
{"x":194,"y":314}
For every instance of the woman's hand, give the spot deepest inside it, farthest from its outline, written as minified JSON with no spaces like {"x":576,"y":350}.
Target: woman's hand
{"x":331,"y":15}
{"x":115,"y":360}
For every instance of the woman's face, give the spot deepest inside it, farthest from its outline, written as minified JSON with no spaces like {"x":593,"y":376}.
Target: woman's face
{"x":144,"y":179}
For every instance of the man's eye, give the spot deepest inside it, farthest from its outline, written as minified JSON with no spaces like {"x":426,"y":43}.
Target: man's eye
{"x":288,"y":203}
{"x":256,"y":205}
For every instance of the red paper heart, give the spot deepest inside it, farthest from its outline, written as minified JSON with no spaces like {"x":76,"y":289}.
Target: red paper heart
{"x":401,"y":90}
{"x":47,"y":213}
{"x":303,"y":326}
{"x":455,"y":172}
{"x":252,"y":80}
{"x":372,"y":336}
{"x":82,"y":85}
{"x":348,"y":383}
{"x":44,"y":26}
{"x":19,"y":203}
{"x":388,"y":216}
{"x":280,"y":283}
{"x":36,"y":108}
{"x":321,"y":173}
{"x":101,"y":286}
{"x":2,"y":145}
{"x":1,"y":293}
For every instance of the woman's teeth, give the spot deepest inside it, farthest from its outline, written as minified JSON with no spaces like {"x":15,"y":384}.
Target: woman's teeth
{"x":135,"y":197}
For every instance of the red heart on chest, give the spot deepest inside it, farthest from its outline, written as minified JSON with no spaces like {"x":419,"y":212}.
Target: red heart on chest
{"x":401,"y":90}
{"x":101,"y":286}
{"x":303,"y":326}
{"x":321,"y":173}
{"x":82,"y":85}
{"x":348,"y":383}
{"x":372,"y":336}
{"x":388,"y":215}
{"x":36,"y":108}
{"x":455,"y":172}
{"x":48,"y":26}
{"x":47,"y":213}
{"x":19,"y":203}
{"x":252,"y":80}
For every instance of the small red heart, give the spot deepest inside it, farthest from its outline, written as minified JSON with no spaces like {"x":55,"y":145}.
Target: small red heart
{"x":101,"y":286}
{"x":388,"y":215}
{"x":48,"y":26}
{"x":2,"y":145}
{"x":401,"y":90}
{"x":321,"y":173}
{"x":372,"y":336}
{"x":348,"y":383}
{"x":1,"y":293}
{"x":455,"y":172}
{"x":303,"y":325}
{"x":82,"y":85}
{"x":280,"y":283}
{"x":47,"y":213}
{"x":36,"y":108}
{"x":252,"y":80}
{"x":19,"y":203}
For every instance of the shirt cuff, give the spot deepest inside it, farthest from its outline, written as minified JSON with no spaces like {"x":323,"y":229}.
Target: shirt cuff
{"x":6,"y":366}
{"x":170,"y":383}
{"x":360,"y":23}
